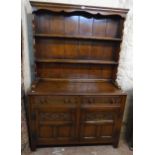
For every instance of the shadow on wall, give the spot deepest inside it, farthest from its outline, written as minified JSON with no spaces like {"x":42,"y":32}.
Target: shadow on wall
{"x":129,"y":119}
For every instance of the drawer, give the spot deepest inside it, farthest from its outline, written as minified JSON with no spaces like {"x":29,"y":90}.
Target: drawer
{"x":107,"y":100}
{"x":56,"y":100}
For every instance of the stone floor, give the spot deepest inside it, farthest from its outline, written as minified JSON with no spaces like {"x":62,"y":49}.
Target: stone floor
{"x":83,"y":150}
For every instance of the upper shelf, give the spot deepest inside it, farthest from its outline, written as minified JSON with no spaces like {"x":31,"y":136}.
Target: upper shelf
{"x":73,"y":61}
{"x":77,"y":37}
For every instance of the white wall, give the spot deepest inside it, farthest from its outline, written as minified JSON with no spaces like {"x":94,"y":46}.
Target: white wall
{"x":26,"y":10}
{"x":108,"y":3}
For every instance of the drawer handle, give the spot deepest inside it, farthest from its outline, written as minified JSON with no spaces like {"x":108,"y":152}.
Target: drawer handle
{"x":114,"y":101}
{"x":71,"y":100}
{"x":90,"y":101}
{"x":44,"y":101}
{"x":67,"y":101}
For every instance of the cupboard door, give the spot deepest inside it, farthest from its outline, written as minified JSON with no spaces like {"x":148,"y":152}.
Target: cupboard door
{"x":56,"y":125}
{"x":98,"y":123}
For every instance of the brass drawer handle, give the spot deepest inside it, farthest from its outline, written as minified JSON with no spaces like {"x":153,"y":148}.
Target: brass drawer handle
{"x":114,"y":100}
{"x":67,"y":101}
{"x":90,"y":101}
{"x":71,"y":100}
{"x":42,"y":101}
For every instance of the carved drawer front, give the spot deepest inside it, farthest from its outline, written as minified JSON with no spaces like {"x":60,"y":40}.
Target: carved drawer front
{"x":55,"y":100}
{"x":56,"y":125}
{"x":107,"y":100}
{"x":97,"y":123}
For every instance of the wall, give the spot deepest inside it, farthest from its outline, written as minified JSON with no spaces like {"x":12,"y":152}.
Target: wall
{"x":27,"y":44}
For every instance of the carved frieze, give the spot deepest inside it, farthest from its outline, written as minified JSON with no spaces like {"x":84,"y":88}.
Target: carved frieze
{"x":98,"y":116}
{"x":55,"y":117}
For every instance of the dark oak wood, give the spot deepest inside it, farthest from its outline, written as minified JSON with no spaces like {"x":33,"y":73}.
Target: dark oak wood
{"x":70,"y":8}
{"x":74,"y":88}
{"x":74,"y":99}
{"x":73,"y":61}
{"x":77,"y":37}
{"x":76,"y":49}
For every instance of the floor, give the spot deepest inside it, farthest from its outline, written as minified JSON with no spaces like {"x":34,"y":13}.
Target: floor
{"x":84,"y":150}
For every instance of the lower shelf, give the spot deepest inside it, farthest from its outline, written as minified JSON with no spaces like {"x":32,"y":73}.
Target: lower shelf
{"x":87,"y":87}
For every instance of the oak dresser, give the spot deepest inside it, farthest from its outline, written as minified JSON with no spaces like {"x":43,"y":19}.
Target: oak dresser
{"x":74,"y":99}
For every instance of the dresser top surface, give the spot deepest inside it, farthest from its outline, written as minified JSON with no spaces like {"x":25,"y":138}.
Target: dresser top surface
{"x":74,"y":88}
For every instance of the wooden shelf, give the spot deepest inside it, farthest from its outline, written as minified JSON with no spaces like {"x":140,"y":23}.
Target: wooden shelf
{"x":74,"y":61}
{"x":60,"y":88}
{"x":78,"y":37}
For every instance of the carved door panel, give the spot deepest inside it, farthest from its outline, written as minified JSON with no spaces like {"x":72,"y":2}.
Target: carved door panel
{"x":97,"y":123}
{"x":56,"y":125}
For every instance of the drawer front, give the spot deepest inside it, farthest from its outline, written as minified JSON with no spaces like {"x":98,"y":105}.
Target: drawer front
{"x":56,"y":100}
{"x":73,"y":100}
{"x":107,"y":100}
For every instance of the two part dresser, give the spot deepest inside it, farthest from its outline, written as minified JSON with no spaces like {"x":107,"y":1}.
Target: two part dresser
{"x":74,"y":99}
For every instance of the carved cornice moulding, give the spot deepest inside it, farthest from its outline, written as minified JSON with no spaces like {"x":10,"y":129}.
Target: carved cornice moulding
{"x":68,"y":8}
